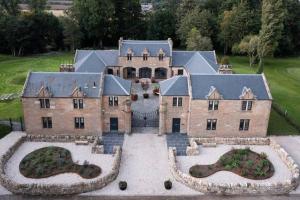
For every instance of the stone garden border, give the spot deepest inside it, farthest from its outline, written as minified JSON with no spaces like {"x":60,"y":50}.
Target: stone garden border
{"x":207,"y":187}
{"x":55,"y":189}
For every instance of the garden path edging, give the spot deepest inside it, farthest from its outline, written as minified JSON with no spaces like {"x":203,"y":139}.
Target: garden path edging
{"x":207,"y":187}
{"x":55,"y":189}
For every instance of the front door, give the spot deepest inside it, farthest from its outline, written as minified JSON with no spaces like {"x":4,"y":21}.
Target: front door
{"x":114,"y":124}
{"x":176,"y":125}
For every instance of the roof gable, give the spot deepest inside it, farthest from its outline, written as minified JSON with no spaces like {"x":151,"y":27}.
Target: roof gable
{"x":114,"y":85}
{"x":91,"y":63}
{"x":63,"y":84}
{"x":198,"y":64}
{"x":230,"y":86}
{"x":175,"y":86}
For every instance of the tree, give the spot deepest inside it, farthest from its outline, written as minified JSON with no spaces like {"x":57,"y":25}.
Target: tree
{"x":11,"y":7}
{"x":161,"y":25}
{"x":37,"y":5}
{"x":199,"y":19}
{"x":249,"y":46}
{"x":196,"y":42}
{"x":271,"y":29}
{"x":71,"y":32}
{"x":95,"y":19}
{"x":236,"y":24}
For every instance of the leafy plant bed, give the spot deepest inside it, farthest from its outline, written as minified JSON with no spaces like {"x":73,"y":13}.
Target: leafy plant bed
{"x":50,"y":161}
{"x":243,"y":162}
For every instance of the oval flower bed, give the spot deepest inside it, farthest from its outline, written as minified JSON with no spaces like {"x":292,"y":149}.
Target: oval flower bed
{"x":243,"y":162}
{"x":50,"y":161}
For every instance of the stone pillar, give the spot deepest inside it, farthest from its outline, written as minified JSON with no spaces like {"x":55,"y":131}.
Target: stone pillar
{"x":152,"y":72}
{"x":127,"y":116}
{"x":162,"y":118}
{"x":137,"y":72}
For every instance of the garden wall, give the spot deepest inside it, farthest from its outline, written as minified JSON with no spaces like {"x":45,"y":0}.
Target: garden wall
{"x":55,"y":189}
{"x":203,"y":186}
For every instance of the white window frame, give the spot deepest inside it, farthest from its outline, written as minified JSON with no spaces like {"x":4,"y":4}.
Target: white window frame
{"x":114,"y":100}
{"x":215,"y":104}
{"x":249,"y":105}
{"x":211,"y":122}
{"x":177,"y":102}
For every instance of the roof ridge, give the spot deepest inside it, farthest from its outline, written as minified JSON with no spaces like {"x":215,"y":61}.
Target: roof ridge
{"x":114,"y":77}
{"x":206,"y":61}
{"x":99,"y":57}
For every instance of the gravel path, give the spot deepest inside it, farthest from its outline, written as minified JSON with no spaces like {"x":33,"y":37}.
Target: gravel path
{"x":211,"y":155}
{"x":145,"y":168}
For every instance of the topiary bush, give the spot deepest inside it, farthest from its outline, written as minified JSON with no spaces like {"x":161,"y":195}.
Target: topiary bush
{"x":123,"y":185}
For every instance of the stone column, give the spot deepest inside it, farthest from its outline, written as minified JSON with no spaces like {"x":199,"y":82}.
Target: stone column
{"x":162,"y":118}
{"x":127,"y":116}
{"x":152,"y":72}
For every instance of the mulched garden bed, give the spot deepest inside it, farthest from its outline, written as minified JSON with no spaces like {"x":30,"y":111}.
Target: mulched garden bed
{"x":50,"y":161}
{"x":243,"y":162}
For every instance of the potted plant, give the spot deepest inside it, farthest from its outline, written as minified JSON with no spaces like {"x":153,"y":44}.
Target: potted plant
{"x":168,"y":184}
{"x":134,"y":97}
{"x":123,"y":185}
{"x":156,"y":91}
{"x":146,"y":95}
{"x":137,"y":80}
{"x":145,"y":86}
{"x":153,"y":80}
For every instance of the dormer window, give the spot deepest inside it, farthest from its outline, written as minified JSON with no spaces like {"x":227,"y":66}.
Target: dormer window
{"x":129,"y":56}
{"x":145,"y":57}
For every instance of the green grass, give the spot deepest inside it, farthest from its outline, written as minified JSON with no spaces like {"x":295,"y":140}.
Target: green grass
{"x":283,"y":75}
{"x":4,"y":130}
{"x":13,"y":72}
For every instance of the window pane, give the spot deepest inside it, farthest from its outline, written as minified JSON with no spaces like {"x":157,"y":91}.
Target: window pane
{"x":247,"y":121}
{"x":174,"y":101}
{"x":42,"y":103}
{"x":76,"y":121}
{"x":44,"y":122}
{"x":241,"y":125}
{"x":208,"y":125}
{"x":179,"y":101}
{"x":75,"y":105}
{"x":249,"y":105}
{"x":214,"y":124}
{"x":111,"y":101}
{"x":80,"y":103}
{"x":210,"y":105}
{"x":115,"y":101}
{"x":216,"y":103}
{"x":47,"y":103}
{"x":244,"y":105}
{"x":49,"y":122}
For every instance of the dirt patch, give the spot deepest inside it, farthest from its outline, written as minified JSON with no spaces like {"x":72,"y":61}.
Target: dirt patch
{"x":50,"y":161}
{"x":243,"y":162}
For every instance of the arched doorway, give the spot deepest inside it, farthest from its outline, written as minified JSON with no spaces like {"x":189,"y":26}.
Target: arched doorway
{"x":160,"y":73}
{"x":145,"y":72}
{"x":110,"y":71}
{"x":129,"y":72}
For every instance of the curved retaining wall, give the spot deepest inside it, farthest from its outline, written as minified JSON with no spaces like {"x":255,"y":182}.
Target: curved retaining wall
{"x":238,"y":189}
{"x":55,"y":189}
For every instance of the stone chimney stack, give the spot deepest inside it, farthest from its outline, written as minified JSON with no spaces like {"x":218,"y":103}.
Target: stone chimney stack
{"x":120,"y":44}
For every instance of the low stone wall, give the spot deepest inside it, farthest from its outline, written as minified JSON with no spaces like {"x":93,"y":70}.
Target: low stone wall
{"x":193,"y":149}
{"x":59,"y":138}
{"x":203,"y":186}
{"x":55,"y":189}
{"x":234,"y":141}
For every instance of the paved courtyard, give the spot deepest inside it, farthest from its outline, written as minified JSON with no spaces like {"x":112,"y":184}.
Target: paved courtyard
{"x":178,"y":140}
{"x":143,"y":105}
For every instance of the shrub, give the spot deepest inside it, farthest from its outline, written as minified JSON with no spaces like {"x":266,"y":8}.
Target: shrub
{"x":225,"y":60}
{"x":123,"y":185}
{"x":195,"y":171}
{"x":168,"y":184}
{"x":155,"y":91}
{"x":249,"y":163}
{"x":263,"y":155}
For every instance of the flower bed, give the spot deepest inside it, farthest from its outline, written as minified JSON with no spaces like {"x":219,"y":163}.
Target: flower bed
{"x":50,"y":161}
{"x":243,"y":162}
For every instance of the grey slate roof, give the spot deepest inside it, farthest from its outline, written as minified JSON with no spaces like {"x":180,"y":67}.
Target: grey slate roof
{"x":229,"y":86}
{"x":95,"y":60}
{"x":199,"y":61}
{"x":114,"y":85}
{"x":138,"y":46}
{"x":175,"y":86}
{"x":62,"y":84}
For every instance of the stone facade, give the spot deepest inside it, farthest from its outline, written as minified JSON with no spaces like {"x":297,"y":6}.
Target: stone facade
{"x":62,"y":113}
{"x":228,"y":118}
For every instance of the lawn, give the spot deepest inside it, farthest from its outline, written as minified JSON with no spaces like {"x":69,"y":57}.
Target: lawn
{"x":13,"y":72}
{"x":283,"y":75}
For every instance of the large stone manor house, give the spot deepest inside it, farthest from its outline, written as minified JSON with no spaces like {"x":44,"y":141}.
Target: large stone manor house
{"x":197,"y":96}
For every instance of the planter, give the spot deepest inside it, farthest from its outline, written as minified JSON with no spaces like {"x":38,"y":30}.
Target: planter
{"x":168,"y":185}
{"x":137,"y":81}
{"x":156,"y":91}
{"x":146,"y":95}
{"x":153,"y":80}
{"x":134,"y":97}
{"x":123,"y":185}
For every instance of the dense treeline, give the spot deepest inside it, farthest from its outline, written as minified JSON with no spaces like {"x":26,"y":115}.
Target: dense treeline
{"x":250,"y":27}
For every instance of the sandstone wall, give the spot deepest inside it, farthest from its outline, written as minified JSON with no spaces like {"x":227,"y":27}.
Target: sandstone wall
{"x":62,"y":112}
{"x":228,"y":116}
